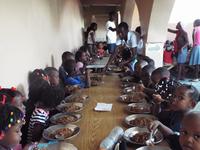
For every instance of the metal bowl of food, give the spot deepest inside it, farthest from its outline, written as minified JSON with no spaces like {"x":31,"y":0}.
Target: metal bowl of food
{"x":136,"y":97}
{"x":61,"y":132}
{"x":65,"y":118}
{"x":80,"y":98}
{"x":139,"y":120}
{"x":139,"y":108}
{"x":140,"y":136}
{"x":127,"y":79}
{"x":70,"y":107}
{"x":154,"y":147}
{"x":129,"y":90}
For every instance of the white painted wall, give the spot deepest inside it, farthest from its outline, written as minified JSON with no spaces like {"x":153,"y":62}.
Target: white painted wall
{"x":34,"y":31}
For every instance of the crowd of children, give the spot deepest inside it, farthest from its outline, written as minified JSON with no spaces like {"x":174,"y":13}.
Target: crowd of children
{"x":172,"y":101}
{"x":22,"y":121}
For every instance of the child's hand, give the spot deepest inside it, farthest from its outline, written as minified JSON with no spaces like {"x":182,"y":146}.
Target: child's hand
{"x":139,"y":88}
{"x":157,"y":98}
{"x":31,"y":146}
{"x":154,"y":125}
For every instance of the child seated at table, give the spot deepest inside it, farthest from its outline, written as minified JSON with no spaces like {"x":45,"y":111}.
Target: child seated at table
{"x":85,"y":49}
{"x":81,"y":61}
{"x":11,"y":121}
{"x":146,"y":75}
{"x":162,"y":87}
{"x":189,"y":132}
{"x":50,"y":97}
{"x":72,"y":77}
{"x":38,"y":81}
{"x":185,"y":99}
{"x":13,"y":97}
{"x":53,"y":76}
{"x":65,"y":56}
{"x":100,"y":50}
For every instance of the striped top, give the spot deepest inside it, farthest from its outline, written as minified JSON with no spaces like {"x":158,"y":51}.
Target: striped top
{"x":39,"y":116}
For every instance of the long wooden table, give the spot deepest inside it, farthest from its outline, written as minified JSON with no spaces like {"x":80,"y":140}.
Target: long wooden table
{"x":95,"y":126}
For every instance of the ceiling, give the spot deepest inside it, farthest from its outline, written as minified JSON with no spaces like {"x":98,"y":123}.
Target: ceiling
{"x":86,"y":3}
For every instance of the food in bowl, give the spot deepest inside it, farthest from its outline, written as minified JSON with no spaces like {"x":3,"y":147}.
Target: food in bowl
{"x":62,"y":133}
{"x":141,"y":122}
{"x":141,"y":137}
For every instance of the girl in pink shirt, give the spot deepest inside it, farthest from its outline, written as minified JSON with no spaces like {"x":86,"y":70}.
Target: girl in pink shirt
{"x":195,"y":55}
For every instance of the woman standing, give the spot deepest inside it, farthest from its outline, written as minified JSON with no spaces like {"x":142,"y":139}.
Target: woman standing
{"x":91,"y":39}
{"x":181,"y":47}
{"x":195,"y":55}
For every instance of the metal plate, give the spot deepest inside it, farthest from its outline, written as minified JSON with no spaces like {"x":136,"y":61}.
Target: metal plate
{"x":158,"y":137}
{"x":68,"y":107}
{"x":76,"y":98}
{"x":139,"y":108}
{"x":153,"y":148}
{"x":136,"y":116}
{"x":74,"y":116}
{"x":127,"y":79}
{"x":52,"y":129}
{"x":129,"y":90}
{"x":132,"y":98}
{"x":116,"y":69}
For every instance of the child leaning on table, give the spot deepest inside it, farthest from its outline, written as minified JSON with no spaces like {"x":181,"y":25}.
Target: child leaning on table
{"x":161,"y":88}
{"x":73,"y":78}
{"x":189,"y":137}
{"x":11,"y":121}
{"x":185,"y":99}
{"x":50,"y":97}
{"x":81,"y":61}
{"x":65,"y":56}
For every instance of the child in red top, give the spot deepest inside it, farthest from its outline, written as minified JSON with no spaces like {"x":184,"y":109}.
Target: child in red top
{"x":100,"y":51}
{"x":168,"y":53}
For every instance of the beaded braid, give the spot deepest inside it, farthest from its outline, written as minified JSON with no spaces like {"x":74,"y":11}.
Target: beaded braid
{"x":7,"y":95}
{"x":9,"y":116}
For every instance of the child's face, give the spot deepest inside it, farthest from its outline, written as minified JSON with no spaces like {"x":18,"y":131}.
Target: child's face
{"x":54,"y":78}
{"x":100,"y":46}
{"x":190,"y":134}
{"x":84,"y":57}
{"x":181,"y":100}
{"x":18,"y":102}
{"x":145,"y":77}
{"x":122,"y":33}
{"x":13,"y":135}
{"x":155,"y":78}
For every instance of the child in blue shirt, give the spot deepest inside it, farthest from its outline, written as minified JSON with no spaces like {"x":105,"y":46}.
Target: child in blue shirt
{"x":72,"y":77}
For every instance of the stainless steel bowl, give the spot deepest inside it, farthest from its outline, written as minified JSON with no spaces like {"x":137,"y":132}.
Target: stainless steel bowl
{"x":63,"y":107}
{"x":55,"y":117}
{"x":155,"y":147}
{"x":79,"y":98}
{"x":135,"y":116}
{"x":124,"y":85}
{"x":139,"y":108}
{"x":47,"y":132}
{"x":128,"y":90}
{"x":127,"y":79}
{"x":126,"y":98}
{"x":157,"y":137}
